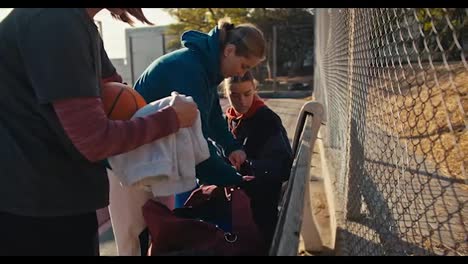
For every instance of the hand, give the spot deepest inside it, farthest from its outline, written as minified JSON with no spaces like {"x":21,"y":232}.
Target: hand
{"x":237,"y":158}
{"x":248,"y":178}
{"x":186,"y":110}
{"x":208,"y":189}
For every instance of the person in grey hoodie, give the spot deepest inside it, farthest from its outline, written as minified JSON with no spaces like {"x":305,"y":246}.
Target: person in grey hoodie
{"x":196,"y":70}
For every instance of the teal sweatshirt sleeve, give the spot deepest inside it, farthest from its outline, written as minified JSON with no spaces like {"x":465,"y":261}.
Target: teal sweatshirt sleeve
{"x":214,"y":170}
{"x":158,"y":82}
{"x":219,"y":129}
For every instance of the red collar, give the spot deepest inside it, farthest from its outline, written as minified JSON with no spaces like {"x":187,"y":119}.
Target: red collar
{"x":233,"y":115}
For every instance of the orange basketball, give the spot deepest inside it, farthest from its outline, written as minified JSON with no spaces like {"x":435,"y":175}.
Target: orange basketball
{"x":120,"y":101}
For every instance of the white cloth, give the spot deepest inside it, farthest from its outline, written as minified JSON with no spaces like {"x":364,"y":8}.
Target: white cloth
{"x":125,"y":209}
{"x":165,"y":166}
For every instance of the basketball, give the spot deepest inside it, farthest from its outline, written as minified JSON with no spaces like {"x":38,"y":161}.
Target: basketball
{"x":120,"y":101}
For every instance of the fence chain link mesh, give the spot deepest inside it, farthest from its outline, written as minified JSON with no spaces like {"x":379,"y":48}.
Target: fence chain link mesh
{"x":394,"y":85}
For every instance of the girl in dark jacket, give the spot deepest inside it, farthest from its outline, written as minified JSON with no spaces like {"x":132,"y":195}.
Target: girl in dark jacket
{"x":265,"y":141}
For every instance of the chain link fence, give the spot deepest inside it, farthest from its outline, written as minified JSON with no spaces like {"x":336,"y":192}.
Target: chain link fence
{"x":394,"y":85}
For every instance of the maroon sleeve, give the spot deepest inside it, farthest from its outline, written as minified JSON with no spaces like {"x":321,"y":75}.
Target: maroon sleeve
{"x":97,"y":137}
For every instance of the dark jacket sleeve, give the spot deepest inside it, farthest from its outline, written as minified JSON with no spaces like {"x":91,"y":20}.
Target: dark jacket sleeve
{"x":274,"y":156}
{"x":275,"y":159}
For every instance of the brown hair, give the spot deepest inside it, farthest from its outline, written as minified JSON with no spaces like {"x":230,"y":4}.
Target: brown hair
{"x":134,"y":12}
{"x":228,"y":82}
{"x":247,"y":38}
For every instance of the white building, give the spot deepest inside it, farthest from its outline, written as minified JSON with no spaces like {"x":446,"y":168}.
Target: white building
{"x":121,"y":64}
{"x":143,"y":46}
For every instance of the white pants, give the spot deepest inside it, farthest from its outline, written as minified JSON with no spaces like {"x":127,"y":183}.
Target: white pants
{"x":125,"y":208}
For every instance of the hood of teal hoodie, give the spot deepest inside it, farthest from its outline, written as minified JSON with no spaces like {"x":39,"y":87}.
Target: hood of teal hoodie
{"x":208,"y":46}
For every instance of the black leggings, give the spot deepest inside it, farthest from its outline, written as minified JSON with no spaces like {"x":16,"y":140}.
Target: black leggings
{"x":144,"y":242}
{"x":75,"y":235}
{"x":264,"y":200}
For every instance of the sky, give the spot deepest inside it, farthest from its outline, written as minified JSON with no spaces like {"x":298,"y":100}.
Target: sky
{"x":113,"y":31}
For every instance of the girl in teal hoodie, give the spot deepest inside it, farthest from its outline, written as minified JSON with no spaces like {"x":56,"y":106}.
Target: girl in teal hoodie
{"x":196,"y":70}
